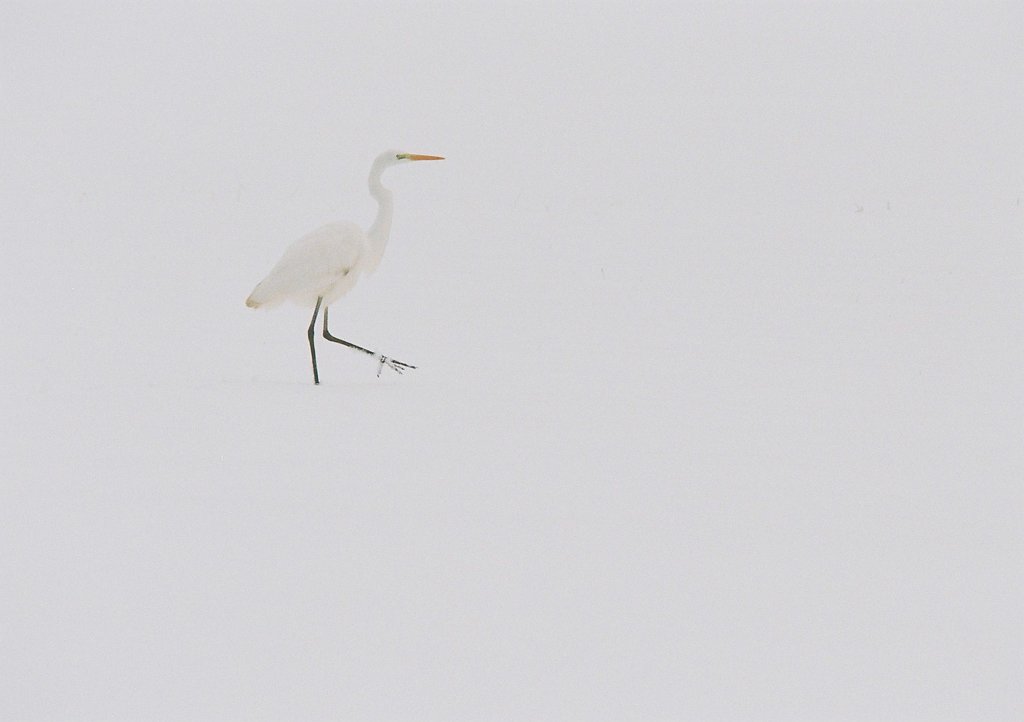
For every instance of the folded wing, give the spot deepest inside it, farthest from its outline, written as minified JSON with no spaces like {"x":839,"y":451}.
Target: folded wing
{"x":324,"y":263}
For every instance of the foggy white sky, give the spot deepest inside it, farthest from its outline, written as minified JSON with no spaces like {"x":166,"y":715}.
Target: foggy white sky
{"x":717,"y":309}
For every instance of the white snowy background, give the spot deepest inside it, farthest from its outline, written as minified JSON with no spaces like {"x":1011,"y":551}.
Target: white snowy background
{"x":718,"y":313}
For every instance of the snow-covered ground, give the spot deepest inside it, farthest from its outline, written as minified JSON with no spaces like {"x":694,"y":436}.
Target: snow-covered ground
{"x":718,"y":317}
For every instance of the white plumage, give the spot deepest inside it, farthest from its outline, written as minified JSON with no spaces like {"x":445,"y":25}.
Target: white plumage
{"x":324,"y":265}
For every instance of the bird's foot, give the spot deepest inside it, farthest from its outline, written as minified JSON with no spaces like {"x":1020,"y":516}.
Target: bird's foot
{"x":391,"y":363}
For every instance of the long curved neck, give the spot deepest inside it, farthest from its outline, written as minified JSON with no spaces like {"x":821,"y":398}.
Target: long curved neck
{"x":380,"y":231}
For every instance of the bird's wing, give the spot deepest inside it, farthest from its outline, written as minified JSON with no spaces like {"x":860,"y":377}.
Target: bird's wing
{"x":312,"y":265}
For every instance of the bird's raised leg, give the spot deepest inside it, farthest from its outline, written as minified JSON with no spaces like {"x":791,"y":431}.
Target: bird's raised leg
{"x":381,"y":358}
{"x":312,"y":348}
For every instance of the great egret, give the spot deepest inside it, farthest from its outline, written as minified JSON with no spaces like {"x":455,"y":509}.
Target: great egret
{"x":324,"y":265}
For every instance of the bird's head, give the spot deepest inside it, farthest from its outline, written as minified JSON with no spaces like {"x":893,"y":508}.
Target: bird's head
{"x":396,"y":157}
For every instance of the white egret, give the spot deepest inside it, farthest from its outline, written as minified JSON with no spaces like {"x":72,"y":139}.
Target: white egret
{"x":324,"y":265}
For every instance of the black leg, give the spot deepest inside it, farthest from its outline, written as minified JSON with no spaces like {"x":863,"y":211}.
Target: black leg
{"x":312,"y":348}
{"x":330,"y":337}
{"x":381,"y":358}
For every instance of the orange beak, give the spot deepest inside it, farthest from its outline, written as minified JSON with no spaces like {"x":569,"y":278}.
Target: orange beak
{"x":413,"y":156}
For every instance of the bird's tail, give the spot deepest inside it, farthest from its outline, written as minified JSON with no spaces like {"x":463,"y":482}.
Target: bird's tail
{"x":270,"y":292}
{"x":257,"y":298}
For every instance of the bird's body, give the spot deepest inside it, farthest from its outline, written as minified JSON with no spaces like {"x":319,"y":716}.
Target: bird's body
{"x":324,"y":265}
